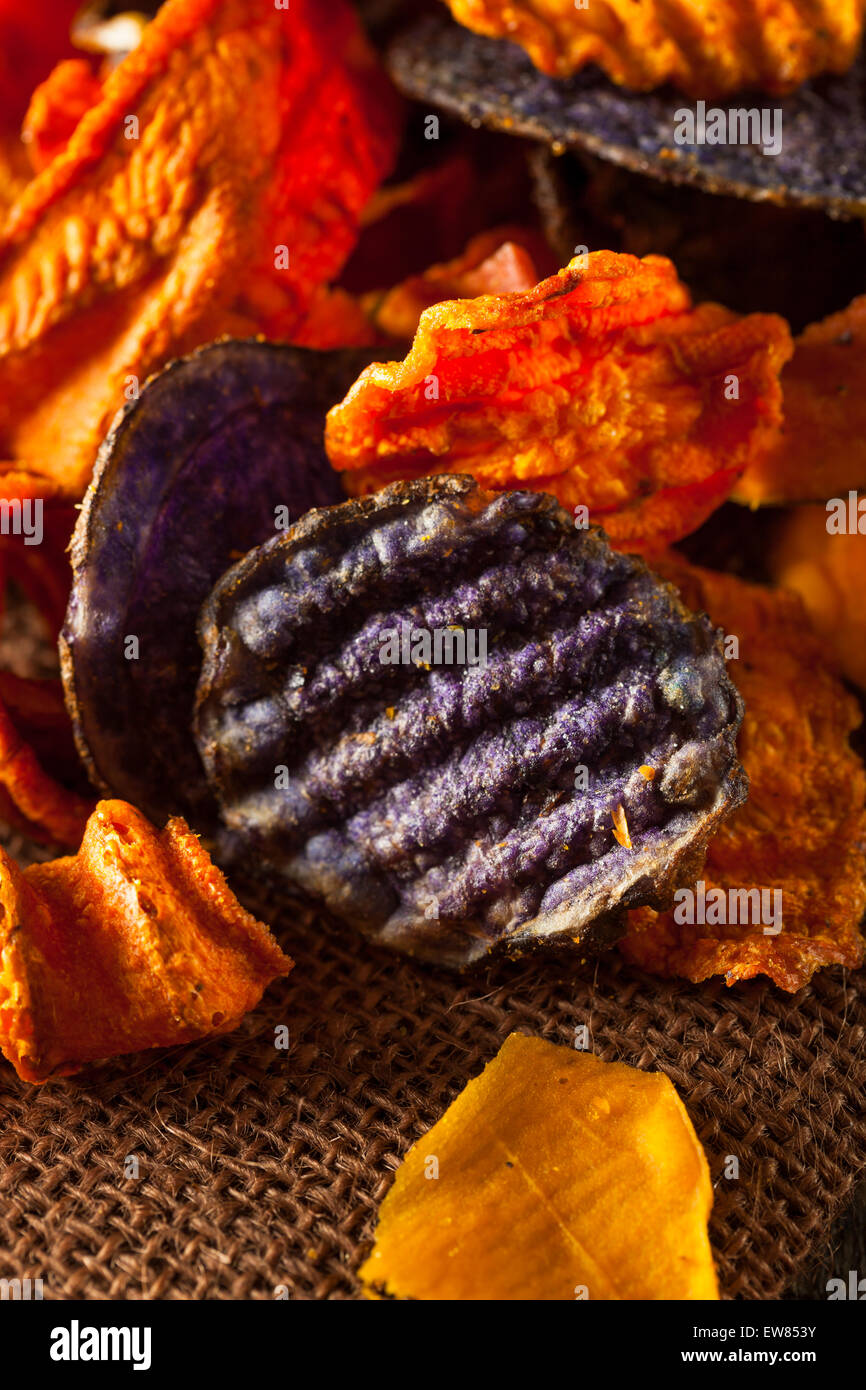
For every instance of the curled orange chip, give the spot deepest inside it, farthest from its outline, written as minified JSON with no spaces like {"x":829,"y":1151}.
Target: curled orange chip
{"x":134,"y":942}
{"x":704,"y":48}
{"x":822,"y":448}
{"x":782,"y":892}
{"x":820,"y":552}
{"x":552,"y":1176}
{"x":602,"y":385}
{"x":204,"y":186}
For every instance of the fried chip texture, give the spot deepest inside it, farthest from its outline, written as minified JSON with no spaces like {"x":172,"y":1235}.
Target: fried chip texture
{"x":205,"y":184}
{"x":602,"y":385}
{"x":827,"y":568}
{"x":557,"y":1176}
{"x":424,"y":708}
{"x":705,"y":48}
{"x":822,"y":449}
{"x":134,"y":942}
{"x":803,"y":829}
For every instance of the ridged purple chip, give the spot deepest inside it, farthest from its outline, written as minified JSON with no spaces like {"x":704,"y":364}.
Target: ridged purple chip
{"x":450,"y":809}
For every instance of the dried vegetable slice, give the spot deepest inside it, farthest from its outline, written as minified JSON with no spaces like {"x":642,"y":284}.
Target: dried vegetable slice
{"x":602,"y":385}
{"x":232,"y":197}
{"x":706,"y":48}
{"x":552,"y":1176}
{"x":423,"y":709}
{"x":820,"y":553}
{"x":802,"y":832}
{"x":822,"y":449}
{"x":221,"y":449}
{"x":134,"y":942}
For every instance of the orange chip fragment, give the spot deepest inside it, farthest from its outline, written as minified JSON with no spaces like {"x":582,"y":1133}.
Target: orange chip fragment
{"x":820,"y":552}
{"x":552,"y":1176}
{"x":206,"y":186}
{"x":821,"y":451}
{"x":705,"y":48}
{"x":783,"y":890}
{"x":601,"y":385}
{"x":495,"y":262}
{"x":134,"y":942}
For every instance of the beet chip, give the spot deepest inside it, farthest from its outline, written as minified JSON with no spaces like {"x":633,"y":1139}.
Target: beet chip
{"x":602,"y":385}
{"x":219,"y":450}
{"x":782,"y":892}
{"x":134,"y":942}
{"x":430,"y":710}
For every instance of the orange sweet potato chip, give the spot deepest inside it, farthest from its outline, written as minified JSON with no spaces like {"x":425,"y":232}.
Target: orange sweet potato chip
{"x":134,"y":942}
{"x":552,"y":1176}
{"x":820,"y":552}
{"x":601,"y":385}
{"x":821,"y":451}
{"x":783,"y":890}
{"x":703,"y":48}
{"x":205,"y":187}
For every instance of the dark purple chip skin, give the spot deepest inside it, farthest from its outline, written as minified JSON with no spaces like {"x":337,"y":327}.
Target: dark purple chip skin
{"x":188,"y":479}
{"x":449,"y":810}
{"x":820,"y":160}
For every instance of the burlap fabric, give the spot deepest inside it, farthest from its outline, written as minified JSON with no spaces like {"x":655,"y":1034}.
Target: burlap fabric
{"x":259,"y":1167}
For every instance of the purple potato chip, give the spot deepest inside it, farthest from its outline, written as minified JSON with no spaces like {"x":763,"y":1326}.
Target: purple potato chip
{"x":188,"y":479}
{"x":449,"y":806}
{"x":820,"y":160}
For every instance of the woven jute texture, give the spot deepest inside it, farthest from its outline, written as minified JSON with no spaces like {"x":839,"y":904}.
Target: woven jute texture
{"x":259,"y":1166}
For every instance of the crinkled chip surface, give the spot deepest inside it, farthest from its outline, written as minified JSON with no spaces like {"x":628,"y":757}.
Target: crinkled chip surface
{"x":430,"y":710}
{"x":553,"y":1176}
{"x":602,"y":384}
{"x":220,"y":449}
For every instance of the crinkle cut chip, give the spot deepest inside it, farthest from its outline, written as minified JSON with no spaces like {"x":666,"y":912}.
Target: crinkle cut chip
{"x":134,"y":942}
{"x":603,"y":385}
{"x":710,"y":50}
{"x":783,"y":885}
{"x":189,"y":479}
{"x":450,"y":809}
